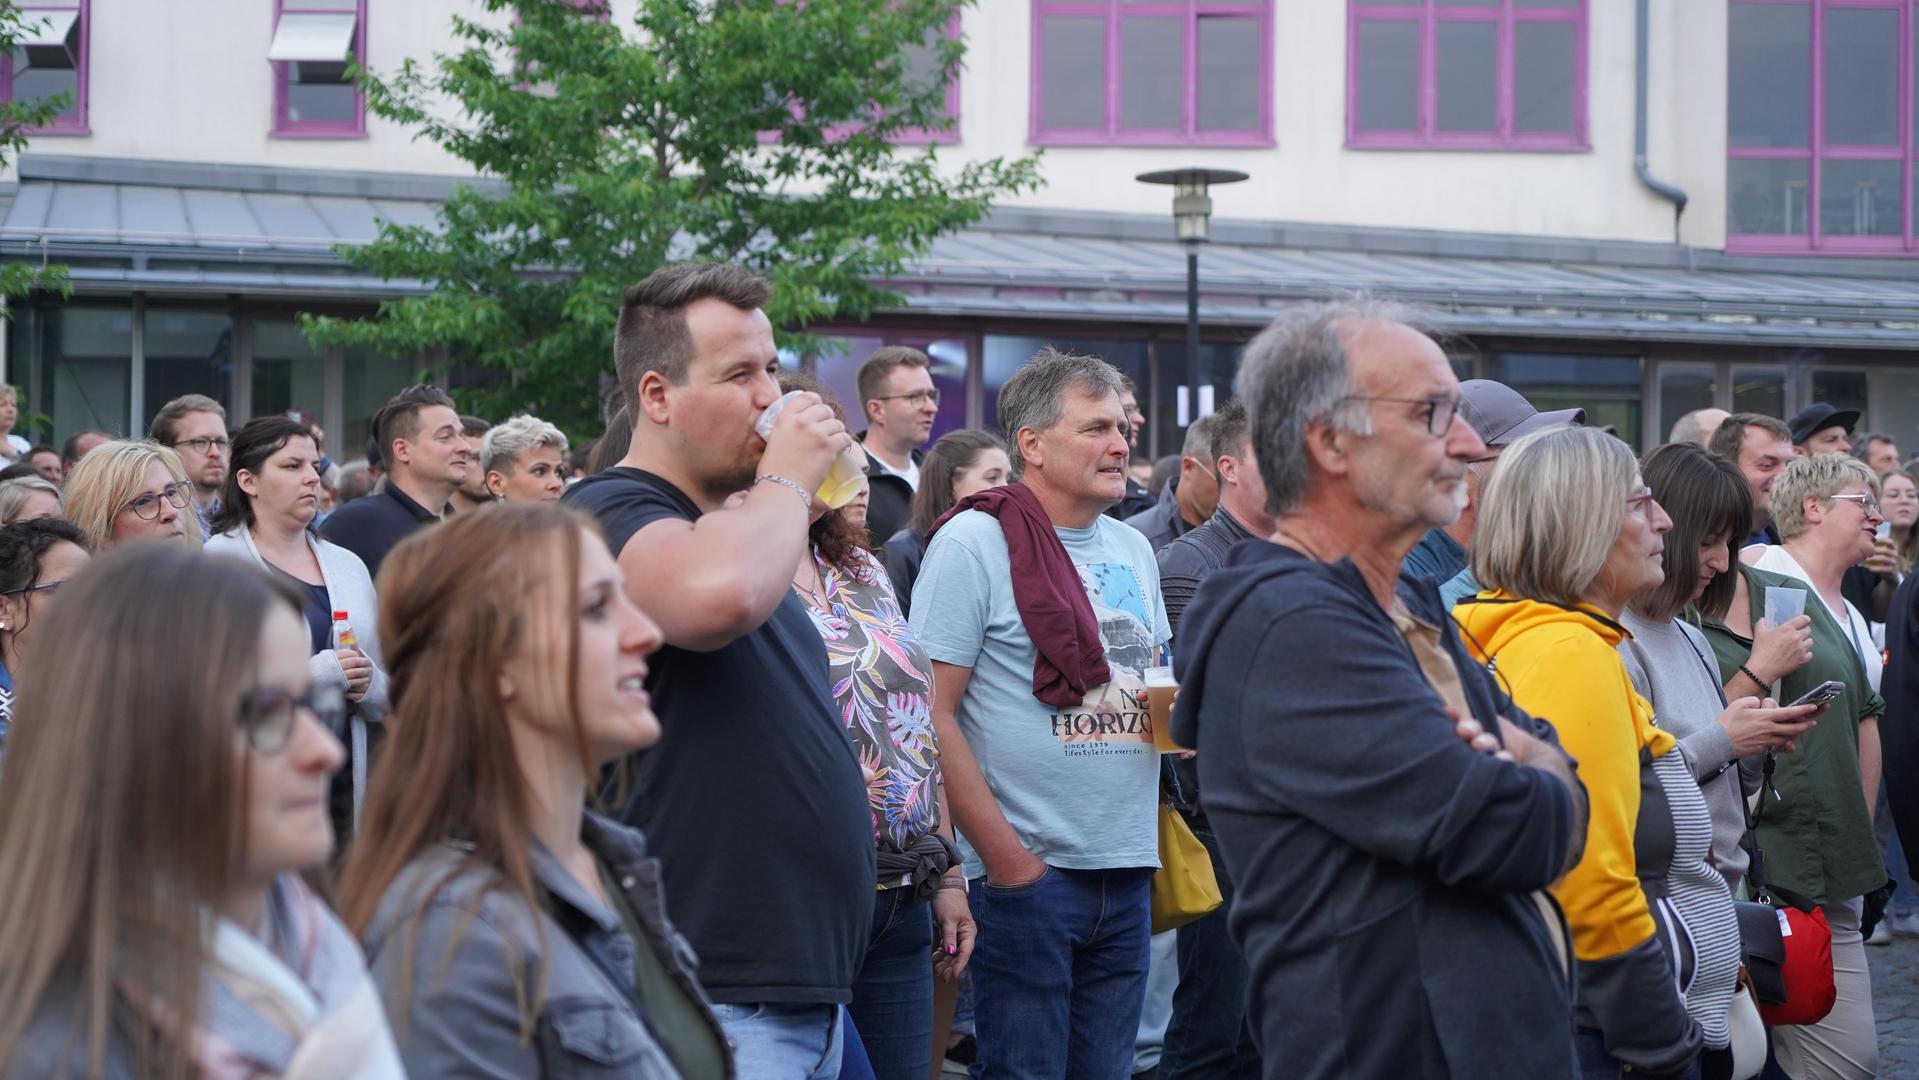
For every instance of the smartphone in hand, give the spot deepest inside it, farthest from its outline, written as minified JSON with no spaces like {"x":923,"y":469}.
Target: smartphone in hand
{"x":1821,"y":694}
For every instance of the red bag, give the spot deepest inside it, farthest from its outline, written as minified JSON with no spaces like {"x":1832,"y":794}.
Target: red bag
{"x":1810,"y":993}
{"x":1790,"y":954}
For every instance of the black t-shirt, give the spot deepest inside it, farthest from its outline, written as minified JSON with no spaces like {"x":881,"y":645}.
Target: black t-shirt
{"x":753,"y":800}
{"x":372,"y":525}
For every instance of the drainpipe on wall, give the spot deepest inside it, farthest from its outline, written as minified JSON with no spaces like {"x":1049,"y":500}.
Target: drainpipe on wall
{"x":1654,"y":184}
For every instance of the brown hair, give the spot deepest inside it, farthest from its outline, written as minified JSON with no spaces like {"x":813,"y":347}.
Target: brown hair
{"x":652,"y":333}
{"x":955,"y":452}
{"x":613,"y":444}
{"x":1730,"y":436}
{"x":871,"y":379}
{"x":123,"y":815}
{"x":456,"y":600}
{"x":166,"y":422}
{"x":834,"y":536}
{"x":399,"y":418}
{"x":1705,"y":495}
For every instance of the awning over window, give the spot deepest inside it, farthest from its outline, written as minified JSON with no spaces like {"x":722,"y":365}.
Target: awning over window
{"x":313,"y":38}
{"x":53,"y":28}
{"x":187,"y":228}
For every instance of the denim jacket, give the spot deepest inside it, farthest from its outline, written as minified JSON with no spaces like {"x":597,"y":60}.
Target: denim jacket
{"x":459,"y":1014}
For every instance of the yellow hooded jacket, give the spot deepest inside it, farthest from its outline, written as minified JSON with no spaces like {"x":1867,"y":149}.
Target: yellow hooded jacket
{"x":1562,"y":664}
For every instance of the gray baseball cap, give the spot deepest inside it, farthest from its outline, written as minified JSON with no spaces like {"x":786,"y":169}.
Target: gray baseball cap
{"x":1501,"y":415}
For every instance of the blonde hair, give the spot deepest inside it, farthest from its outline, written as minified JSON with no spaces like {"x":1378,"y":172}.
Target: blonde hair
{"x":1550,"y":515}
{"x":1820,"y":476}
{"x":15,"y":493}
{"x":111,"y":474}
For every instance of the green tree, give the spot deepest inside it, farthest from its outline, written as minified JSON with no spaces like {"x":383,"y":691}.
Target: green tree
{"x":758,"y":132}
{"x":17,"y":119}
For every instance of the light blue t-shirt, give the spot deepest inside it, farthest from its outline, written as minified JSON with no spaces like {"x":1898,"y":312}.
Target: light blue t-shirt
{"x":1078,"y":786}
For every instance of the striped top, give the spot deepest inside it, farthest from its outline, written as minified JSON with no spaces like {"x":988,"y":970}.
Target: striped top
{"x":1697,"y":893}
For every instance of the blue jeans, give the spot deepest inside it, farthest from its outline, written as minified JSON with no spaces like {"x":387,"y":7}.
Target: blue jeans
{"x":893,"y":992}
{"x":1596,"y":1064}
{"x":1059,"y":973}
{"x":1209,"y":1038}
{"x":777,"y":1041}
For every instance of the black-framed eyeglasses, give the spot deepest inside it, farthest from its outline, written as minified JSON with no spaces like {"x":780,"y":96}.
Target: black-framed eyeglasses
{"x":1439,"y":410}
{"x":916,"y":399}
{"x":45,"y":586}
{"x":147,"y":507}
{"x":267,"y":714}
{"x":206,"y":443}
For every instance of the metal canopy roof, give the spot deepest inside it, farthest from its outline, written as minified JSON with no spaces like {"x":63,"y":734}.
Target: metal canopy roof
{"x":189,"y":228}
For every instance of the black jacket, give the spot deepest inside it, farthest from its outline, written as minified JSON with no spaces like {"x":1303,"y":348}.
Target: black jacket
{"x":891,"y":502}
{"x":1137,"y":501}
{"x":1899,"y":725}
{"x":903,"y":553}
{"x":1384,"y":870}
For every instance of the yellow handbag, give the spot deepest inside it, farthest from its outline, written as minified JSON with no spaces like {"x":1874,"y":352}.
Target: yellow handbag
{"x":1184,"y":888}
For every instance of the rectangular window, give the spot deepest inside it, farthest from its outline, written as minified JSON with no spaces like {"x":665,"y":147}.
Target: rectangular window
{"x":50,"y":59}
{"x":1466,"y":75}
{"x":1820,"y":125}
{"x":1152,"y":73}
{"x":314,"y":44}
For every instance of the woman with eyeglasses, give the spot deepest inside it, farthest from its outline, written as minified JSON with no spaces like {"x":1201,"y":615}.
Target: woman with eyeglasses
{"x":1816,"y":832}
{"x":267,"y":507}
{"x":154,"y":827}
{"x":1567,"y":535}
{"x":124,"y":491}
{"x":36,"y":556}
{"x":515,"y":932}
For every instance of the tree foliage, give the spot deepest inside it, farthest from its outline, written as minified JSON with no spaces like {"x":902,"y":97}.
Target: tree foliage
{"x":759,"y":132}
{"x":17,"y":120}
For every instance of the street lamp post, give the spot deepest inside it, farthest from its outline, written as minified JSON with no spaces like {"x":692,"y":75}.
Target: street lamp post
{"x":1192,"y":207}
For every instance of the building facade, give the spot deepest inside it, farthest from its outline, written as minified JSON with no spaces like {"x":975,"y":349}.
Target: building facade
{"x":1516,"y":165}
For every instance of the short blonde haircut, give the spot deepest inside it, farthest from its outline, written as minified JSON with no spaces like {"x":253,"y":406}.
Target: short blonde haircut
{"x":500,"y":451}
{"x":14,"y":494}
{"x":1820,"y":476}
{"x":111,"y":474}
{"x":1552,"y":513}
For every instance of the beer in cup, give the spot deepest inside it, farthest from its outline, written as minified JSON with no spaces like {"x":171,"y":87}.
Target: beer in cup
{"x":1160,"y":688}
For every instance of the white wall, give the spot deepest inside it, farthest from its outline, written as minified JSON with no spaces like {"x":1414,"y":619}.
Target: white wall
{"x":1310,"y":176}
{"x":189,"y":81}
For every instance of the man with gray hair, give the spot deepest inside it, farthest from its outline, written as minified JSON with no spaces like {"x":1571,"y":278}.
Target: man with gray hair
{"x":1697,"y":426}
{"x":1386,"y":815}
{"x":1041,"y":615}
{"x":523,"y":459}
{"x":1190,"y":497}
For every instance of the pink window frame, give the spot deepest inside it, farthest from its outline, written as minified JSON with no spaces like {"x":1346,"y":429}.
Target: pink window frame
{"x":1428,"y":136}
{"x":1819,"y":151}
{"x":284,"y":128}
{"x":77,"y":124}
{"x":1188,"y":134}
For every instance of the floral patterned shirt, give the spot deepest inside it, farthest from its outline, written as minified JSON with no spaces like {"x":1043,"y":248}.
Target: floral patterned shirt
{"x":882,"y":685}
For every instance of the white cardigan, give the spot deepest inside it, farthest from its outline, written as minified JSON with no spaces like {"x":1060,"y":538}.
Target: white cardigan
{"x":350,"y":589}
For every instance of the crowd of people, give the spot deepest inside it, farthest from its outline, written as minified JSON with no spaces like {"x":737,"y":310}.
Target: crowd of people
{"x":488,"y":757}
